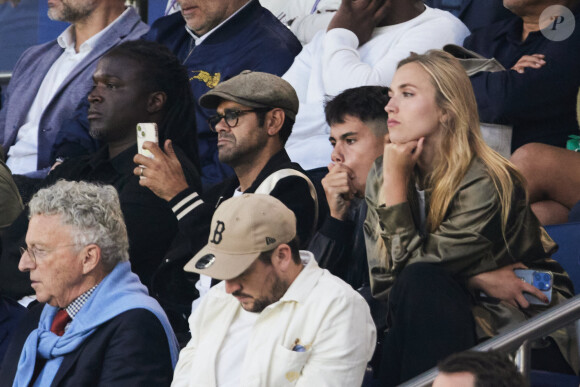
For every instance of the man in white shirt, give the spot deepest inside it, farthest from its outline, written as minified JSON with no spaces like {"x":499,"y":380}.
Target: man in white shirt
{"x":364,"y":42}
{"x":277,"y":318}
{"x":304,"y":17}
{"x":50,"y":80}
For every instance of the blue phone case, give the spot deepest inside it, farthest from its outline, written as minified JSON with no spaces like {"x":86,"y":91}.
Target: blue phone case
{"x":540,"y":279}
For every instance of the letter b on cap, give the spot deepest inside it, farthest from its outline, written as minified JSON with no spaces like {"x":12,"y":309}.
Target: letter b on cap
{"x":217,"y":232}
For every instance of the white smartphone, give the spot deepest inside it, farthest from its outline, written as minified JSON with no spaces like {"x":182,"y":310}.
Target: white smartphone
{"x":146,"y":131}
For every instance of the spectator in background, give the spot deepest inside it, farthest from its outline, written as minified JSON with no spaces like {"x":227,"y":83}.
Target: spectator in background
{"x":478,"y":369}
{"x":552,"y":179}
{"x":93,"y":312}
{"x":216,"y":40}
{"x":474,"y":13}
{"x":537,"y":94}
{"x":255,"y":113}
{"x":446,"y":215}
{"x":277,"y":318}
{"x":358,"y":124}
{"x":305,"y":18}
{"x":50,"y":80}
{"x":137,"y":81}
{"x":362,"y":46}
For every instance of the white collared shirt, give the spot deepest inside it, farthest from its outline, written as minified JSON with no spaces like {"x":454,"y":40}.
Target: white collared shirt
{"x":23,"y":155}
{"x":323,"y":314}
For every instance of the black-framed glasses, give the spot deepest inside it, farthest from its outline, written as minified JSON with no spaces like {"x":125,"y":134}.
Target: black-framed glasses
{"x":231,"y":117}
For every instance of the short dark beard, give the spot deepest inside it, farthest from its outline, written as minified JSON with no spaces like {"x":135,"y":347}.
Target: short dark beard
{"x":279,"y":288}
{"x":70,"y":14}
{"x":245,"y":156}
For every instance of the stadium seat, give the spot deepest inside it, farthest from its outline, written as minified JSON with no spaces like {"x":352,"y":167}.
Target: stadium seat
{"x":567,"y":236}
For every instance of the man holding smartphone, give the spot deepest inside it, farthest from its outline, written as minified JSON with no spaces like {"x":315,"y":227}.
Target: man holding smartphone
{"x":135,"y":82}
{"x":255,"y":114}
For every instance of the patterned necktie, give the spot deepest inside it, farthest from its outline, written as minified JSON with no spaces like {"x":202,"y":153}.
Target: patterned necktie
{"x":60,"y":320}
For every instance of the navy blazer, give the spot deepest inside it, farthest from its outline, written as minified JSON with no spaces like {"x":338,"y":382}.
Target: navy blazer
{"x":29,"y":73}
{"x":129,"y":350}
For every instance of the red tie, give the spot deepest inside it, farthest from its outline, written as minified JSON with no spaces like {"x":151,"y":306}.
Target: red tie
{"x":60,"y":320}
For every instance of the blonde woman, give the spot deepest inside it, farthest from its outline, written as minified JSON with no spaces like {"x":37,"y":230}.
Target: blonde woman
{"x":447,"y":220}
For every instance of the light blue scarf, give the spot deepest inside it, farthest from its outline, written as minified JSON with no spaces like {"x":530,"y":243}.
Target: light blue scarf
{"x":119,"y":292}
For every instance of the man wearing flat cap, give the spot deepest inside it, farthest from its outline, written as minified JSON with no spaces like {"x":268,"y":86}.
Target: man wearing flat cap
{"x":276,"y":319}
{"x":255,"y":114}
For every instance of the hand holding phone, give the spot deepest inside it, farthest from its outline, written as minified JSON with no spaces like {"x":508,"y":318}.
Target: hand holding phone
{"x":540,"y":279}
{"x":504,"y":285}
{"x":146,"y":131}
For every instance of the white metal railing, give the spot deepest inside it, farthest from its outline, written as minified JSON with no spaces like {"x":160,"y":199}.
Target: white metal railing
{"x":519,"y":338}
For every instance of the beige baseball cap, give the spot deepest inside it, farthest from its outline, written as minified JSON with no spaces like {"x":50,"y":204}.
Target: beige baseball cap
{"x":241,"y":229}
{"x":254,"y":89}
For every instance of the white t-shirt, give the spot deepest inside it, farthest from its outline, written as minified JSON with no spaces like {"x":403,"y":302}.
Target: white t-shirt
{"x":230,"y":359}
{"x":334,"y":62}
{"x":304,"y":17}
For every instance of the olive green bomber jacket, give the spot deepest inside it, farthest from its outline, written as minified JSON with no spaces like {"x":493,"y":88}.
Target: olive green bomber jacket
{"x":469,"y":241}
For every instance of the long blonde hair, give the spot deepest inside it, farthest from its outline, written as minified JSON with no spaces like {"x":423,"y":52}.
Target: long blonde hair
{"x":461,"y":139}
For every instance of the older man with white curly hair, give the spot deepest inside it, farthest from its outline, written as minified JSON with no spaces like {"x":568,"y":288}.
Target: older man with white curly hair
{"x":94,"y":313}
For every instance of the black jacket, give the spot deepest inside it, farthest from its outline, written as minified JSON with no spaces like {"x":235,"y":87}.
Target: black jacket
{"x":339,"y":246}
{"x":174,"y":288}
{"x":151,"y":225}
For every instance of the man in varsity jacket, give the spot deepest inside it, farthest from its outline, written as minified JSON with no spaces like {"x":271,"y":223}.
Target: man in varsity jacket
{"x":255,"y":114}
